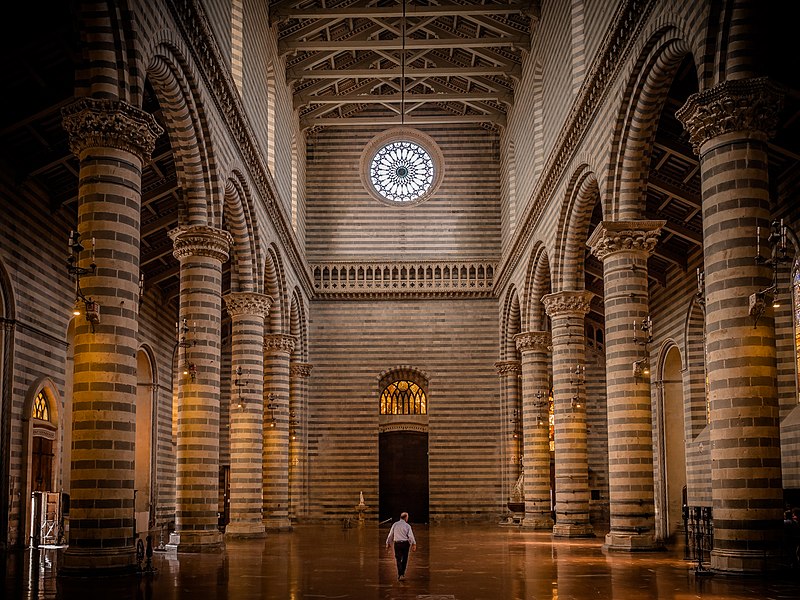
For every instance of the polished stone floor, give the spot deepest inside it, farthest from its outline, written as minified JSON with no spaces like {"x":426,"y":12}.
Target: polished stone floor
{"x":453,"y":562}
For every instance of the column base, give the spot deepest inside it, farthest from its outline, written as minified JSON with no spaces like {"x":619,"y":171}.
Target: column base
{"x":193,"y":542}
{"x":573,"y":530}
{"x":277,"y":524}
{"x":742,"y":562}
{"x":617,"y":541}
{"x":243,"y":531}
{"x":540,"y":521}
{"x":79,"y":562}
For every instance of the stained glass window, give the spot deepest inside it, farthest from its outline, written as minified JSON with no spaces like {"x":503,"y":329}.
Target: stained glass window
{"x":41,"y":408}
{"x":402,"y":171}
{"x":403,"y":398}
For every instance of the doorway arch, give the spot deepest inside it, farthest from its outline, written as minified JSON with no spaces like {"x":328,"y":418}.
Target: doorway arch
{"x":144,"y":464}
{"x":672,"y":457}
{"x":403,"y":479}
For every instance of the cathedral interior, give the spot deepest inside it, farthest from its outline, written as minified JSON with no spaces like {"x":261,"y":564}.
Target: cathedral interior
{"x":272,"y":273}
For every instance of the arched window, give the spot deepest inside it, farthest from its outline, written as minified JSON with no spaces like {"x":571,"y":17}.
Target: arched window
{"x":403,"y":398}
{"x":41,"y":408}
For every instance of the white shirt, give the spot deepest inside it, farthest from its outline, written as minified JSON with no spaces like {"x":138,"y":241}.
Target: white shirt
{"x":401,"y":532}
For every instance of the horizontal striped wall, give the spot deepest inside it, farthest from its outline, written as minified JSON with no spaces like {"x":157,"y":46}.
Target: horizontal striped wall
{"x":455,"y":343}
{"x":461,"y":218}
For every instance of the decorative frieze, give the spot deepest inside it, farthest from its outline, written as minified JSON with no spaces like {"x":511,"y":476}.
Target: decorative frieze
{"x":94,"y":123}
{"x":507,"y":367}
{"x":578,"y":302}
{"x":616,"y":236}
{"x":201,"y":240}
{"x":247,"y":303}
{"x":278,"y":342}
{"x":738,"y":105}
{"x":533,"y":341}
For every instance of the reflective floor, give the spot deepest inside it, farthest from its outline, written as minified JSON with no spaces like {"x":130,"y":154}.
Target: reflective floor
{"x":454,"y":562}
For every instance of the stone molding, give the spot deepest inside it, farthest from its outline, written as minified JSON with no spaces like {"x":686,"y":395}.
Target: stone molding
{"x":628,"y":21}
{"x":740,"y":105}
{"x":300,"y":369}
{"x":567,"y":302}
{"x":507,"y":367}
{"x":278,"y":342}
{"x":96,"y":123}
{"x":534,"y":341}
{"x":247,"y":303}
{"x":201,"y":240}
{"x":618,"y":236}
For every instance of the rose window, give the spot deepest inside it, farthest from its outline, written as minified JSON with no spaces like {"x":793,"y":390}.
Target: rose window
{"x":402,"y":171}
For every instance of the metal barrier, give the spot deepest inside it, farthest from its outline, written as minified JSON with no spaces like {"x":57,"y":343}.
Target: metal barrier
{"x":698,"y":531}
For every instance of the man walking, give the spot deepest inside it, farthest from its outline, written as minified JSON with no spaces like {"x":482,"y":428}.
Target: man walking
{"x":403,"y":539}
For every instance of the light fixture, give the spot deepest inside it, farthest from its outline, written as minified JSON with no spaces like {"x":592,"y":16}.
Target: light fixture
{"x":515,"y":420}
{"x":577,"y":380}
{"x":778,"y":254}
{"x":271,"y":407}
{"x":91,"y":308}
{"x":641,"y":367}
{"x":240,"y":383}
{"x":293,"y":423}
{"x":141,"y":287}
{"x":185,"y":342}
{"x":701,"y":286}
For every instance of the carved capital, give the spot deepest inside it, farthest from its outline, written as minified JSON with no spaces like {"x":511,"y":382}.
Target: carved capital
{"x":278,"y":342}
{"x":247,"y":303}
{"x":93,"y":123}
{"x":201,"y":240}
{"x":567,"y":303}
{"x":507,"y":367}
{"x":298,"y":369}
{"x":742,"y":105}
{"x":533,"y":341}
{"x":616,"y":236}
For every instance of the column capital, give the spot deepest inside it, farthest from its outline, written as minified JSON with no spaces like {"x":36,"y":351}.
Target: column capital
{"x":300,"y":369}
{"x":507,"y":367}
{"x":567,"y":302}
{"x":533,"y":341}
{"x":278,"y":342}
{"x":201,"y":240}
{"x":740,"y":105}
{"x":615,"y":236}
{"x":247,"y":303}
{"x":96,"y":123}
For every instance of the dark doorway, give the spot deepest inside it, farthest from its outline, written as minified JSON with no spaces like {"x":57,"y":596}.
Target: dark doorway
{"x":41,"y":465}
{"x":404,"y":475}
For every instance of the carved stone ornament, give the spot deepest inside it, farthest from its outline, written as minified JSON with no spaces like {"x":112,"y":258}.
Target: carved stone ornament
{"x":298,"y":369}
{"x":507,"y":367}
{"x":616,"y":236}
{"x":533,"y":341}
{"x":247,"y":303}
{"x":93,"y":123}
{"x":561,"y":303}
{"x":278,"y":342}
{"x":750,"y":105}
{"x":201,"y":240}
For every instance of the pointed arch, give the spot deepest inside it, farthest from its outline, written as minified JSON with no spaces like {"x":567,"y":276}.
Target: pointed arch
{"x":511,"y":325}
{"x":242,"y":226}
{"x":275,"y":286}
{"x":694,"y":367}
{"x":576,"y":214}
{"x":298,"y":326}
{"x":187,"y":125}
{"x":537,"y":284}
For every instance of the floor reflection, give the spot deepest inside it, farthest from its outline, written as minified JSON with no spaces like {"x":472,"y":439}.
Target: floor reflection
{"x":453,"y":562}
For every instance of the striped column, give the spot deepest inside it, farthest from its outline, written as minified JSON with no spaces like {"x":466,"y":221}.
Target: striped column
{"x":511,"y":447}
{"x":624,"y":247}
{"x":567,"y":311}
{"x":534,"y":347}
{"x":112,"y":140}
{"x":247,"y":311}
{"x":277,"y":350}
{"x":299,"y":373}
{"x":729,"y":126}
{"x":201,"y":251}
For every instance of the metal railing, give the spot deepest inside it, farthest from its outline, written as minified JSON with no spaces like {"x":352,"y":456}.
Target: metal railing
{"x":698,"y":531}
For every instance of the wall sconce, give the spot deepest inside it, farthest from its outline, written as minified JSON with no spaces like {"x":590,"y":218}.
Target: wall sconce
{"x":577,"y":380}
{"x":240,"y":383}
{"x":646,"y":327}
{"x":91,"y":308}
{"x":515,"y":421}
{"x":189,"y":368}
{"x":701,"y":286}
{"x":542,"y":399}
{"x":778,"y":254}
{"x":641,"y":367}
{"x":271,"y":407}
{"x":141,"y":287}
{"x":293,"y":423}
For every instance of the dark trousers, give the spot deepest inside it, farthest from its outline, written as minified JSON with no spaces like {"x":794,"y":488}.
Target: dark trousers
{"x":401,"y":556}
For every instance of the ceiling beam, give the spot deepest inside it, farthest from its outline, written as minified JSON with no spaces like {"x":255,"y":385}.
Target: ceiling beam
{"x":301,"y":100}
{"x":497,"y":119}
{"x":411,"y":10}
{"x":520,"y":41}
{"x":293,"y":74}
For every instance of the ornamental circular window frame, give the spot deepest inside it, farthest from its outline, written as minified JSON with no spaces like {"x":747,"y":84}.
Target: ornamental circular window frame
{"x":401,"y":134}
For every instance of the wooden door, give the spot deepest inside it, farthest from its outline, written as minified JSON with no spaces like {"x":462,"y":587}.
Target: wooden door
{"x":403,"y":477}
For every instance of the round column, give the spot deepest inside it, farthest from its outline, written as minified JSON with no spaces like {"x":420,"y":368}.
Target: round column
{"x":624,"y":247}
{"x":299,"y":373}
{"x":567,"y":311}
{"x":247,"y":311}
{"x":729,"y":125}
{"x":277,"y":350}
{"x":112,"y":140}
{"x":511,"y":429}
{"x":201,"y":251}
{"x":534,"y":347}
